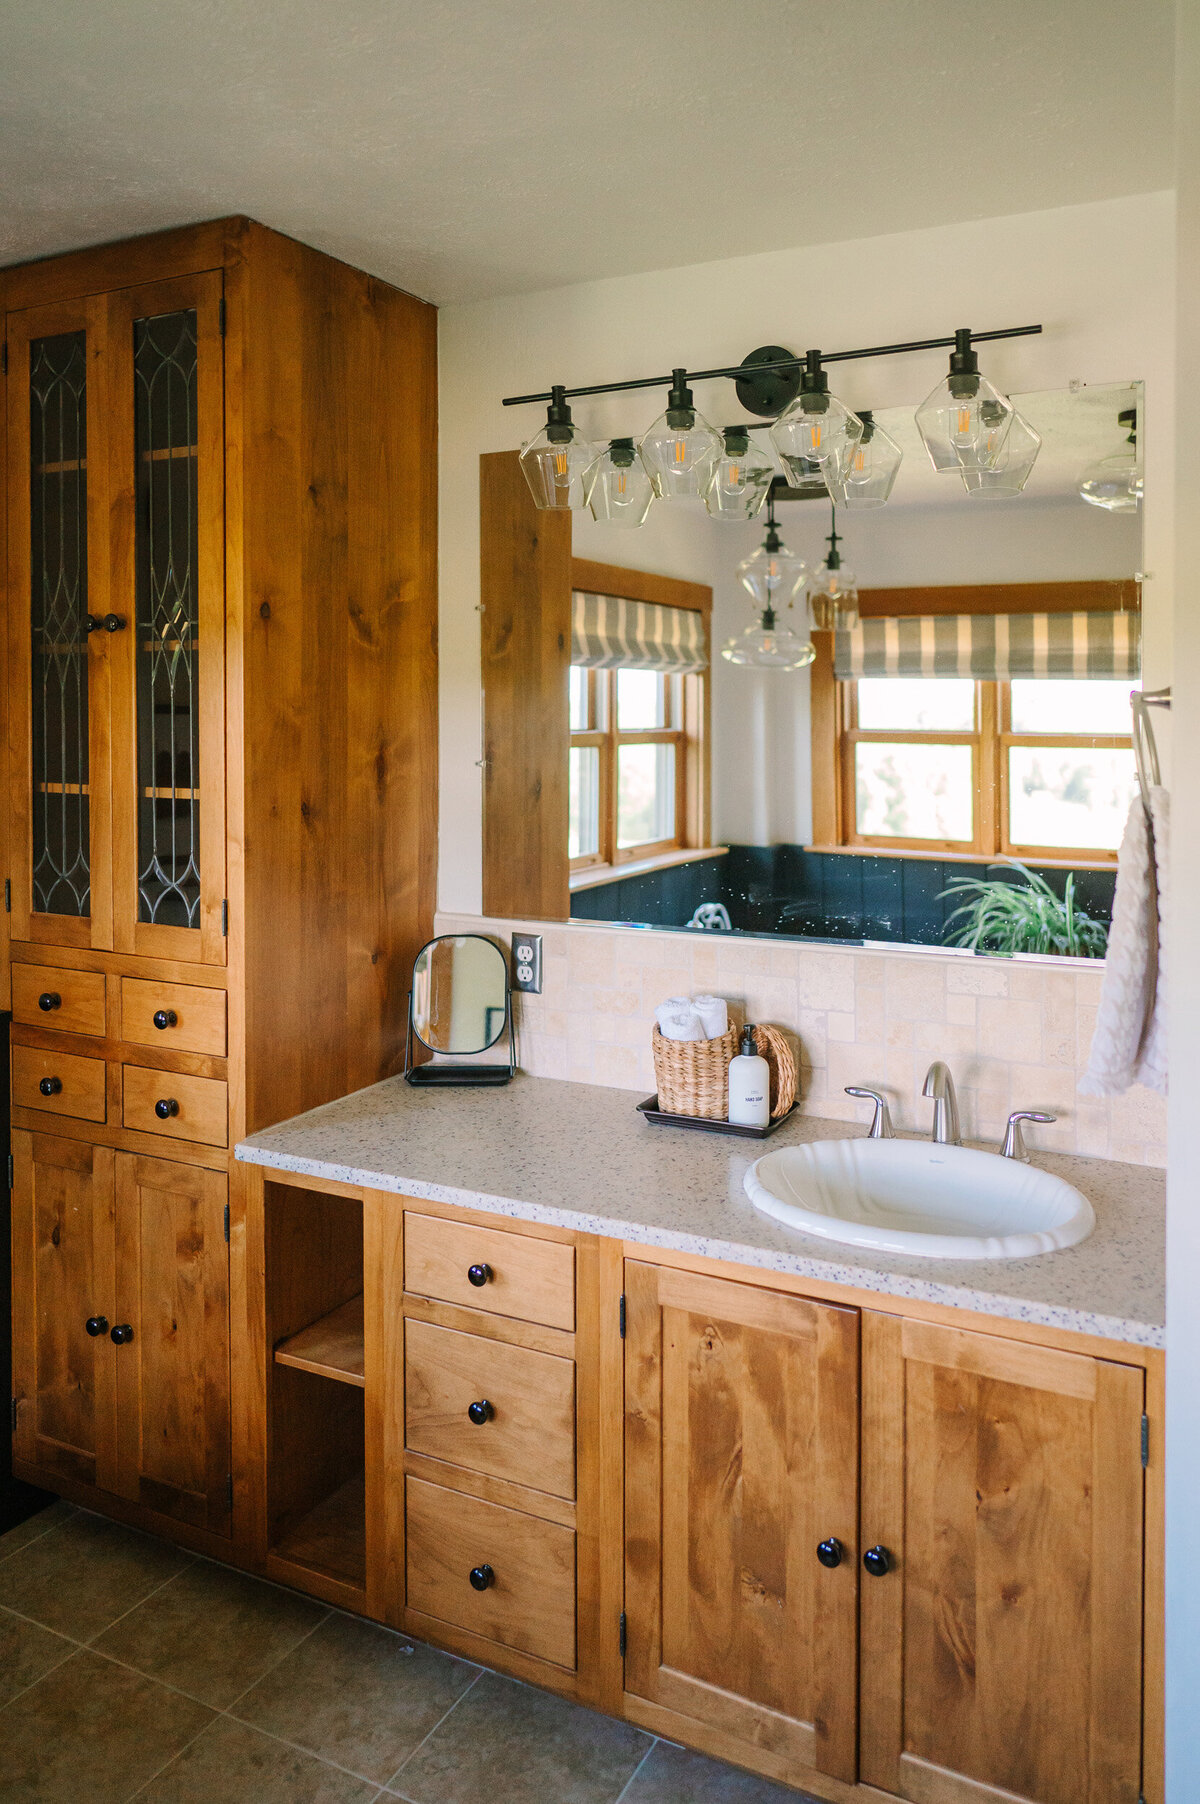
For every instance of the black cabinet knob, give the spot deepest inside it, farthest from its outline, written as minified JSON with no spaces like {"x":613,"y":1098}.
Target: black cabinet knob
{"x":113,"y":623}
{"x":480,"y":1412}
{"x":829,"y":1552}
{"x":479,"y":1275}
{"x":121,"y":1335}
{"x":90,"y":623}
{"x":877,"y":1561}
{"x":481,"y":1577}
{"x":96,"y":1324}
{"x":50,"y":1086}
{"x":165,"y":1107}
{"x":164,"y":1018}
{"x":49,"y":999}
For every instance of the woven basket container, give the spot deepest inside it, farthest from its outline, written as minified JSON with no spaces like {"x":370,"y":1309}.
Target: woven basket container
{"x":693,"y":1075}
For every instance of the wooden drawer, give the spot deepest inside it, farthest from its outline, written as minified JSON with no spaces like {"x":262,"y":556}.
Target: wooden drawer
{"x":80,"y":1081}
{"x":529,"y":1602}
{"x":533,"y":1280}
{"x":75,"y":998}
{"x":191,"y":1018}
{"x":201,"y":1105}
{"x":529,"y":1435}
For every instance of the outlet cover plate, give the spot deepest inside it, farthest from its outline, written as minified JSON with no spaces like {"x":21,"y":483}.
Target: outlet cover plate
{"x":527,"y":962}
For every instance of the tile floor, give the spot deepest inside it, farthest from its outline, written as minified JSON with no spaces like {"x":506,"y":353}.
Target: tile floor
{"x":129,"y":1669}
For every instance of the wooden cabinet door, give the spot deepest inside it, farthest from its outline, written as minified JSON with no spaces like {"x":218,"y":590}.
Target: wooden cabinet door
{"x":58,"y":787}
{"x":173,"y":1369}
{"x":1001,"y":1653}
{"x":741,"y":1440}
{"x":62,"y":1241}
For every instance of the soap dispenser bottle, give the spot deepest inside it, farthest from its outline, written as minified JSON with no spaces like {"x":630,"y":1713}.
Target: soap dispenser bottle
{"x":749,"y":1085}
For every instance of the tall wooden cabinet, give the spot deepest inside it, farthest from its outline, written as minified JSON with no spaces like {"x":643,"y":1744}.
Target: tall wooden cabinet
{"x":219,"y":807}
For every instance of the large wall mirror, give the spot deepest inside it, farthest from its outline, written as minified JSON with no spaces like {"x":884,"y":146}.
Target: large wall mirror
{"x":971,"y":726}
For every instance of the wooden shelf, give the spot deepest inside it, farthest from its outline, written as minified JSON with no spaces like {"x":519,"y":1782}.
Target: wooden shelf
{"x":332,"y":1346}
{"x":331,"y":1539}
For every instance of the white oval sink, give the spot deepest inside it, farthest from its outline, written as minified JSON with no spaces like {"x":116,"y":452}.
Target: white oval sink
{"x":914,"y":1196}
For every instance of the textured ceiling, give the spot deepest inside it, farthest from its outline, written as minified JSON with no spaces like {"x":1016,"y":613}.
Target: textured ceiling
{"x":479,"y":147}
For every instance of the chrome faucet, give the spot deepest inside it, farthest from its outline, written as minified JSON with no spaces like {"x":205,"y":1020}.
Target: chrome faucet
{"x":881,"y":1121}
{"x":1014,"y":1140}
{"x":940,"y":1086}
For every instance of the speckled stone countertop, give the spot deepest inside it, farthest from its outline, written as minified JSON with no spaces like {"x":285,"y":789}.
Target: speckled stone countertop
{"x":579,"y":1156}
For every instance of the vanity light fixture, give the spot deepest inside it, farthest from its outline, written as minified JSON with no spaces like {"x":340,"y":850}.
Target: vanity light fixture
{"x":773,"y":576}
{"x":816,"y":427}
{"x":555,"y":460}
{"x":743,"y":475}
{"x":964,"y":421}
{"x":1115,"y":482}
{"x":865,"y":475}
{"x":681,"y":449}
{"x":616,"y":487}
{"x":1008,"y":476}
{"x":833,"y":592}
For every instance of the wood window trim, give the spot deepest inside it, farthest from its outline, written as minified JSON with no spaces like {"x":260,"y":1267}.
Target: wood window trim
{"x":831,"y":785}
{"x":692,"y":733}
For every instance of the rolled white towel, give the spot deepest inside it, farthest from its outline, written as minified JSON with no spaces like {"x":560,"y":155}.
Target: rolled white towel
{"x":714,"y":1015}
{"x":679,"y":1024}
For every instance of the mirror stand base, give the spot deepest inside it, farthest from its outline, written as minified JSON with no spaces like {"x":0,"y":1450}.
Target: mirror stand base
{"x":448,"y":1075}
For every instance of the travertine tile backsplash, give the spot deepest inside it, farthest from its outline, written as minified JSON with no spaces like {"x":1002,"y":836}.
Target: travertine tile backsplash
{"x":1014,"y":1033}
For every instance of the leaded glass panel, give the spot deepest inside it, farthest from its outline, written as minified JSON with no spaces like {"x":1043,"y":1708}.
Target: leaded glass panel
{"x":167,"y":619}
{"x":59,"y":620}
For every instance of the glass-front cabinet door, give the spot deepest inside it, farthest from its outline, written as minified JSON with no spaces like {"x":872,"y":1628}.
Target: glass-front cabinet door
{"x":57,"y":678}
{"x":166,"y":388}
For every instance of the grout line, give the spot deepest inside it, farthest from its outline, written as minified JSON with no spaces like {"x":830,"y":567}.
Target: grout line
{"x":136,"y":1606}
{"x":73,"y":1649}
{"x":228,"y":1709}
{"x":50,"y":1529}
{"x":637,"y":1769}
{"x":177,"y":1755}
{"x":413,"y":1752}
{"x":298,"y":1747}
{"x":34,"y":1623}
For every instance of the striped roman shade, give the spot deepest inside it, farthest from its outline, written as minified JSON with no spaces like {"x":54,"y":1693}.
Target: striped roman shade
{"x":609,"y":632}
{"x":992,"y":647}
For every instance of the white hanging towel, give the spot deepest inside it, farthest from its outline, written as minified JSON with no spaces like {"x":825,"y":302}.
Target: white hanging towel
{"x":679,"y":1023}
{"x":714,"y":1015}
{"x":1129,"y":1045}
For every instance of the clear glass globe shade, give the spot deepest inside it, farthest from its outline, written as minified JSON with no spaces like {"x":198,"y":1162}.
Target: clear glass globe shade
{"x":1115,"y":483}
{"x":555,"y":466}
{"x":769,"y":646}
{"x":617,"y":488}
{"x":774,"y":578}
{"x":964,"y":423}
{"x":833,"y":598}
{"x":740,"y":482}
{"x":1012,"y":468}
{"x":816,"y":428}
{"x":866,"y":473}
{"x":680,"y":459}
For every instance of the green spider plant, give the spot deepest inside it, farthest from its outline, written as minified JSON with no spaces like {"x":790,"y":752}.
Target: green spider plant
{"x":1004,"y":918}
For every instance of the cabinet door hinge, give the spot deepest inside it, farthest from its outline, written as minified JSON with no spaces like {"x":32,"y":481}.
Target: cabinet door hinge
{"x":621,"y":1635}
{"x":11,"y":1174}
{"x":8,"y":895}
{"x":224,"y":916}
{"x":1145,"y":1440}
{"x":227,"y":1222}
{"x":221,"y":317}
{"x":621,"y":1316}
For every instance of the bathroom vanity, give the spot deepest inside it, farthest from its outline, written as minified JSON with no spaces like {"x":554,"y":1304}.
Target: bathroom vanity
{"x":535,"y":1382}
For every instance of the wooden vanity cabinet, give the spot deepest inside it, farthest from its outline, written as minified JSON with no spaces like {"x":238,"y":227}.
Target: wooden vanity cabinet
{"x":217,"y":810}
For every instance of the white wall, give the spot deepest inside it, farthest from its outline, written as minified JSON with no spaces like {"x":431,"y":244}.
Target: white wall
{"x":1097,"y":277}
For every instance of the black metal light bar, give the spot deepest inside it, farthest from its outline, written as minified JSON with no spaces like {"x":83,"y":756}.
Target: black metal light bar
{"x":789,"y":363}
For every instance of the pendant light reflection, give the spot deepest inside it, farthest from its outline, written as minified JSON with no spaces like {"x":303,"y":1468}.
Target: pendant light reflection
{"x":555,"y":461}
{"x":744,"y":473}
{"x":769,"y":645}
{"x":866,"y":473}
{"x":1115,"y":483}
{"x":681,"y":449}
{"x":964,"y":421}
{"x":817,"y":427}
{"x":773,"y":576}
{"x":1010,"y":473}
{"x":616,"y":486}
{"x":833,"y":592}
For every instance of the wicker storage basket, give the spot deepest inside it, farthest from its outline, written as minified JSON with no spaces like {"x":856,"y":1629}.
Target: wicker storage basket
{"x":693,"y":1075}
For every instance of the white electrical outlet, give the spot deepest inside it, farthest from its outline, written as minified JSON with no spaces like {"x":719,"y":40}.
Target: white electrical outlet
{"x":527,"y":962}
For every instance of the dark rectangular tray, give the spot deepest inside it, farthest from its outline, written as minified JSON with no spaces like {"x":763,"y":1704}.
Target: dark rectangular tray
{"x":650,"y":1111}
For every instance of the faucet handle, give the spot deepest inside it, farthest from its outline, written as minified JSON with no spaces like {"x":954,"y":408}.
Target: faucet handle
{"x":1014,"y":1139}
{"x":881,"y":1121}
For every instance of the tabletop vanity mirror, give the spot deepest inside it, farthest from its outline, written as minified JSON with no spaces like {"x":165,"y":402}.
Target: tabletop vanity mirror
{"x":459,"y":1008}
{"x":711,"y":723}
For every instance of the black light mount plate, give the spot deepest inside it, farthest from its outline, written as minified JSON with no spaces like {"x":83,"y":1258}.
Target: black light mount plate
{"x":767,"y":392}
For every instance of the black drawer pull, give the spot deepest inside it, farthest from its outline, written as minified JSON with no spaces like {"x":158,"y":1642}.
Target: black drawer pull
{"x":50,"y":1086}
{"x":95,"y":1325}
{"x":113,"y":623}
{"x":829,"y":1552}
{"x":877,"y":1561}
{"x":165,"y":1107}
{"x":165,"y":1017}
{"x":479,"y":1275}
{"x":48,"y":1000}
{"x":480,"y":1412}
{"x":481,"y":1577}
{"x":121,"y":1335}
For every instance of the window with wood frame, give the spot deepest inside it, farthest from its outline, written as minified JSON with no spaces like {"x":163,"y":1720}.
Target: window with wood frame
{"x":638,"y":783}
{"x":1034,"y":766}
